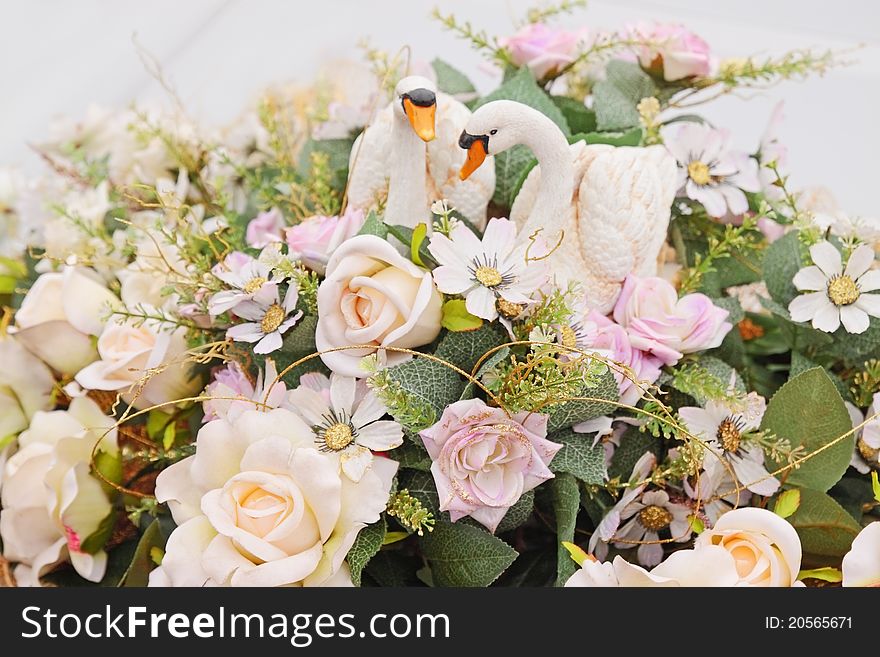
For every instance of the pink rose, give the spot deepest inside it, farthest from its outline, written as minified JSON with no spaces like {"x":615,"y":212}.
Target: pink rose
{"x":659,"y":322}
{"x":265,"y":229}
{"x":484,"y":461}
{"x":316,"y":238}
{"x":674,"y":51}
{"x":543,"y":49}
{"x":612,"y":337}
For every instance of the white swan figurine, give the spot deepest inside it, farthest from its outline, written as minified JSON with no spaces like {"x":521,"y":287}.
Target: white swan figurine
{"x":391,"y":159}
{"x":612,"y":203}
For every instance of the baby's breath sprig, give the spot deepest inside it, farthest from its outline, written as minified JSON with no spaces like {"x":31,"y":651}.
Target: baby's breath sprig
{"x":410,"y":513}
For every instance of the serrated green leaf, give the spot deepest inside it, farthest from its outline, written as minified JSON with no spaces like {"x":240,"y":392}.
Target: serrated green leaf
{"x":412,"y":455}
{"x":509,"y":165}
{"x":787,"y":503}
{"x":518,"y":513}
{"x":452,"y":81}
{"x":465,"y":349}
{"x":366,"y":545}
{"x":456,"y":317}
{"x":566,"y":502}
{"x":567,"y":414}
{"x":824,"y":527}
{"x":809,"y":412}
{"x":800,"y":363}
{"x":579,"y":457}
{"x":854,"y":348}
{"x":374,"y":225}
{"x":391,"y":568}
{"x":732,"y":306}
{"x":464,"y":556}
{"x":615,"y":98}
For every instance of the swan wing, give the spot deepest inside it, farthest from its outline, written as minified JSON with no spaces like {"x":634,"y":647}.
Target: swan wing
{"x":368,"y":164}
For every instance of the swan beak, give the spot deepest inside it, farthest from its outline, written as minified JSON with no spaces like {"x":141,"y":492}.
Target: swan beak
{"x":421,"y":118}
{"x":476,"y":154}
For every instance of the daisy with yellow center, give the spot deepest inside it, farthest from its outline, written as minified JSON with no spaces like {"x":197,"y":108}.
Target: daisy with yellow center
{"x":249,"y":280}
{"x":492,"y":273}
{"x":268,"y":322}
{"x":834,"y":294}
{"x":346,"y":418}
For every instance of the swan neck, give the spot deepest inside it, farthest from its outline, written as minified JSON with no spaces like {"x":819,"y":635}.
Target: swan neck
{"x":407,"y":192}
{"x":553,"y":153}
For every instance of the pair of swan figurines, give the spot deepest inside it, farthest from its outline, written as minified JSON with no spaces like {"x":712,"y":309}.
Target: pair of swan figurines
{"x":608,"y":207}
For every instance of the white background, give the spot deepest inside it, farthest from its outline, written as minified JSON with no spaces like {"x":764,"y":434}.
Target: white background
{"x":57,"y":56}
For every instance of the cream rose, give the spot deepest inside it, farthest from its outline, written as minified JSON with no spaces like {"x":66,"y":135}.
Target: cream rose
{"x":60,"y":313}
{"x":259,"y":505}
{"x":128,"y":353}
{"x":765,"y":547}
{"x":861,"y":565}
{"x":373,"y":295}
{"x":51,"y":503}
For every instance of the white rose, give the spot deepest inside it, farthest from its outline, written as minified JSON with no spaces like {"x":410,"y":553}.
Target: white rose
{"x":707,"y":566}
{"x":60,"y":313}
{"x":25,"y":388}
{"x":766,"y":548}
{"x":259,"y":505}
{"x":51,"y":504}
{"x":128,"y":355}
{"x":373,"y":295}
{"x":861,"y":565}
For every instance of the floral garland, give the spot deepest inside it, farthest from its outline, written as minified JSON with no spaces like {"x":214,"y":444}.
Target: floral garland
{"x":269,"y":354}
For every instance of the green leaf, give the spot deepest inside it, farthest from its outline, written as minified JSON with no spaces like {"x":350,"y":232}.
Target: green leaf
{"x":809,"y":412}
{"x":576,"y":553}
{"x":7,"y":284}
{"x":567,"y":414}
{"x":615,"y":98}
{"x":579,"y":117}
{"x":855,"y":348}
{"x":429,"y":387}
{"x":824,"y":527}
{"x":338,"y":151}
{"x":579,"y":457}
{"x":875,"y":486}
{"x":462,"y":555}
{"x":732,"y":306}
{"x":787,"y":503}
{"x":452,"y":81}
{"x":169,"y":435}
{"x":373,"y":225}
{"x":633,"y":444}
{"x":457,"y":318}
{"x":390,"y":568}
{"x":365,"y":546}
{"x":800,"y":363}
{"x":155,"y":536}
{"x":109,"y":465}
{"x":518,"y":513}
{"x":299,"y":342}
{"x":631,"y":137}
{"x":156,"y":423}
{"x":465,"y":349}
{"x":782,"y":260}
{"x":566,"y":502}
{"x":412,"y":455}
{"x":824,"y":574}
{"x":418,"y":238}
{"x":510,"y":164}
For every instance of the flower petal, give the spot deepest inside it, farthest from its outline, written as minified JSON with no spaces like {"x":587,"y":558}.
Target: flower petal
{"x":827,"y":258}
{"x":854,"y":319}
{"x":810,"y":278}
{"x":807,"y":306}
{"x":381,"y":436}
{"x":827,"y":319}
{"x":342,"y":392}
{"x":481,"y":302}
{"x":861,"y":565}
{"x":860,"y":261}
{"x":870,"y":303}
{"x":870,"y":281}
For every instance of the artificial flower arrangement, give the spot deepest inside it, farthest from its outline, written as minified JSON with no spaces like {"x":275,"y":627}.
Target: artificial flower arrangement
{"x":385,"y":331}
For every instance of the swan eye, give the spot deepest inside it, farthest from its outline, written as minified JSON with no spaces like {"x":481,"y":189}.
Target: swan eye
{"x":492,"y":132}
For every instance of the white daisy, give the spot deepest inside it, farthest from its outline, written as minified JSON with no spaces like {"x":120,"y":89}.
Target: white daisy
{"x":866,"y":454}
{"x":649,"y":515}
{"x":346,"y":418}
{"x":250,"y":279}
{"x":268,"y":322}
{"x":708,"y":171}
{"x":486,"y":272}
{"x":724,"y":432}
{"x":836,"y":295}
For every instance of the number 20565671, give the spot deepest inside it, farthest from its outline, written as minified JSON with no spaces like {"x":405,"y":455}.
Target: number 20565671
{"x":808,"y":622}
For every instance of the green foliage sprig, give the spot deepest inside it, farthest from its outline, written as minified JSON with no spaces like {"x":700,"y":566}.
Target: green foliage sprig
{"x":733,"y":238}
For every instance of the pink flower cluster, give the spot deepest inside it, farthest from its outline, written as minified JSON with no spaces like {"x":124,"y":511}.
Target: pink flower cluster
{"x":672,"y":51}
{"x":545,"y":50}
{"x":651,"y":326}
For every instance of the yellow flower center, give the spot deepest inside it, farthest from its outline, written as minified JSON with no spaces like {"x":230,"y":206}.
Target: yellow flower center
{"x":273,"y":318}
{"x":488,"y":276}
{"x":508,"y":308}
{"x":254,"y":284}
{"x":728,"y":435}
{"x":569,"y":337}
{"x":699,"y":172}
{"x":338,"y":436}
{"x":654,"y":518}
{"x":842,"y":290}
